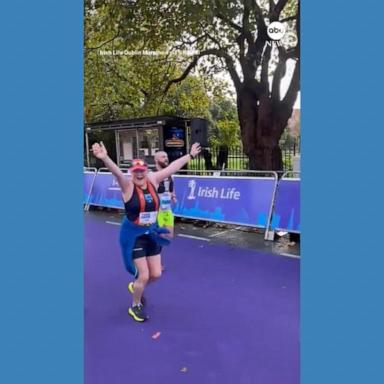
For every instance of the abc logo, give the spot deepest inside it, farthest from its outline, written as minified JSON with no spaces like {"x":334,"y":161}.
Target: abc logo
{"x":276,"y":30}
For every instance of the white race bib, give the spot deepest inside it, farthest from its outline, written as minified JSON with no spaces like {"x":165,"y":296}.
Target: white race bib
{"x":165,"y":201}
{"x":147,"y":218}
{"x":167,"y":185}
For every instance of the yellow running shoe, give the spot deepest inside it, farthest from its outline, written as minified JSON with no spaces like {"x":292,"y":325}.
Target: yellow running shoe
{"x":137,"y":312}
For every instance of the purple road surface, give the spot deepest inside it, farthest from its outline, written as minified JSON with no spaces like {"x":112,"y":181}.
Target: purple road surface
{"x":226,"y":315}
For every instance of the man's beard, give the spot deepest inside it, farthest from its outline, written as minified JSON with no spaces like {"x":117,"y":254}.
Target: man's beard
{"x":163,"y":164}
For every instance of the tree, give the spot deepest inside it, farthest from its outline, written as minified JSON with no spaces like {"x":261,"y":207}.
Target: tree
{"x":121,"y":82}
{"x":231,"y":36}
{"x":225,"y":122}
{"x":186,"y":99}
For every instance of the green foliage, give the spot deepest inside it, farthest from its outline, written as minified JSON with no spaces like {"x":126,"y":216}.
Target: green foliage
{"x":187,"y":99}
{"x":123,"y":79}
{"x":226,"y":130}
{"x":196,"y":41}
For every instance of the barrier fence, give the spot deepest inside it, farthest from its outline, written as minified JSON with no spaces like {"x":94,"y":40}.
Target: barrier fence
{"x":232,"y":200}
{"x":260,"y":199}
{"x":106,"y":191}
{"x":286,"y":210}
{"x":89,"y":178}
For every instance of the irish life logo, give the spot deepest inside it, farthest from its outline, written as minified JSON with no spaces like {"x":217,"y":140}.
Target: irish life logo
{"x":192,"y":187}
{"x":212,"y":192}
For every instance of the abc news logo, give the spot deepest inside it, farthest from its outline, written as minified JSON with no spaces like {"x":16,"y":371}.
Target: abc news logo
{"x":276,"y":30}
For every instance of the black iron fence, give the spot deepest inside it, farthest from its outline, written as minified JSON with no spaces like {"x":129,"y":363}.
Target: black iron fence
{"x":289,"y":149}
{"x":218,"y":158}
{"x":235,"y":158}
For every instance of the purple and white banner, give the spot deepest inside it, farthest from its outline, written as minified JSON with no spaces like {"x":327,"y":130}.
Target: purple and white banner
{"x":87,"y":186}
{"x":106,"y":192}
{"x":232,"y":200}
{"x":286,"y":212}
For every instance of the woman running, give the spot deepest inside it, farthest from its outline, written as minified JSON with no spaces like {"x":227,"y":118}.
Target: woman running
{"x":140,"y":236}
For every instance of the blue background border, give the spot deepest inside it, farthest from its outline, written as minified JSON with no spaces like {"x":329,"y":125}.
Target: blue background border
{"x":41,"y":269}
{"x":342,"y":163}
{"x":41,"y":272}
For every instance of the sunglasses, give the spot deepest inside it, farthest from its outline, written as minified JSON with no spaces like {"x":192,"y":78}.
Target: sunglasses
{"x":140,"y":163}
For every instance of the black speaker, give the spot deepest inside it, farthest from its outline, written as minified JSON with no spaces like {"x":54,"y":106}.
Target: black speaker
{"x":199,"y":131}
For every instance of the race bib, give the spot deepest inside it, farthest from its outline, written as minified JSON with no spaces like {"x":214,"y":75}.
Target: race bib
{"x":165,"y":201}
{"x":147,"y":218}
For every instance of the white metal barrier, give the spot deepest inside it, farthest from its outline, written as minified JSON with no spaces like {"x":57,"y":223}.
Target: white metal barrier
{"x":223,"y":174}
{"x":87,"y":193}
{"x":233,"y":175}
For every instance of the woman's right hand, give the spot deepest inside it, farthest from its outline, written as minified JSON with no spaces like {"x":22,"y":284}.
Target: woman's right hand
{"x":99,"y":151}
{"x":195,"y":150}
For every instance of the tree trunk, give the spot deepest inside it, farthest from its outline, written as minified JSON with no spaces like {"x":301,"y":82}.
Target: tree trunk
{"x":261,"y":128}
{"x":266,"y":159}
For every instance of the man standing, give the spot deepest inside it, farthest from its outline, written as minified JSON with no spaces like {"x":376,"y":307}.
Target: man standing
{"x":165,"y":190}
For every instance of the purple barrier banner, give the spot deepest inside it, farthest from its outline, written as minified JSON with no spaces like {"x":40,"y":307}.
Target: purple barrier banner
{"x":88,"y":180}
{"x":286,"y":212}
{"x":106,"y":192}
{"x":232,"y":200}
